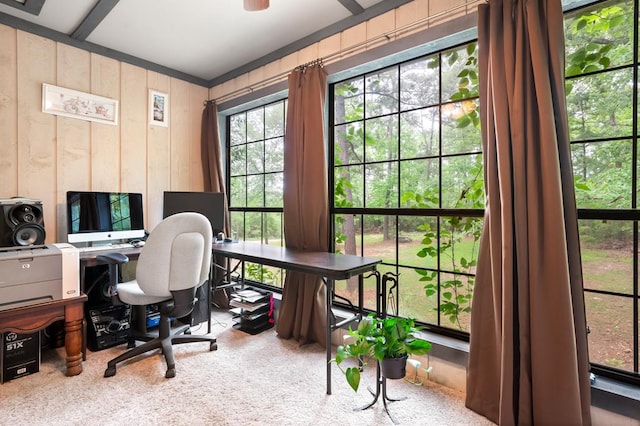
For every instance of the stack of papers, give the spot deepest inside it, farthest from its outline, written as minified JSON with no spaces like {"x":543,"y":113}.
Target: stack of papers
{"x":249,"y":295}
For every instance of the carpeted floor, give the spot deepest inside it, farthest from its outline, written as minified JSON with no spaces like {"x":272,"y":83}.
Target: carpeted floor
{"x":249,"y":380}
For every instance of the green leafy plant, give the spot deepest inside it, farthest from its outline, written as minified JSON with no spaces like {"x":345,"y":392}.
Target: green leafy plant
{"x":444,"y":245}
{"x":379,"y":338}
{"x":594,"y":54}
{"x":259,"y":273}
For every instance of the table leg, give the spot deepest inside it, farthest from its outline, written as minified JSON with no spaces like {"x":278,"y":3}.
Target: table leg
{"x":73,"y":316}
{"x":329,"y":299}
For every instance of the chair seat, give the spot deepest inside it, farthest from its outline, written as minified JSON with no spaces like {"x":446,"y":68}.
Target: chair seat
{"x":131,"y":294}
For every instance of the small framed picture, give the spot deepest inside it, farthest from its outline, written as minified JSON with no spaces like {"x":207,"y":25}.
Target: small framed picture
{"x":158,"y":108}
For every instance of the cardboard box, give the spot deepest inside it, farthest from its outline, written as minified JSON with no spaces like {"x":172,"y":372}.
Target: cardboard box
{"x":19,"y":355}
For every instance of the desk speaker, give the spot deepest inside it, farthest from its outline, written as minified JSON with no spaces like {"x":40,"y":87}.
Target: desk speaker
{"x":22,"y":222}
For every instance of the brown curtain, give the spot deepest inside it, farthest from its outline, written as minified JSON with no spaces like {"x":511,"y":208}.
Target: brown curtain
{"x":528,"y":361}
{"x":303,"y":313}
{"x":214,"y":182}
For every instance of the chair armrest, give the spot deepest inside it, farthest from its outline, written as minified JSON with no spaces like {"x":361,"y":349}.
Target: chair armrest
{"x":112,"y":258}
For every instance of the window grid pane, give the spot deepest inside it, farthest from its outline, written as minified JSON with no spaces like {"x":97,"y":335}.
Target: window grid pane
{"x":255,"y":146}
{"x":600,"y":87}
{"x":402,"y":169}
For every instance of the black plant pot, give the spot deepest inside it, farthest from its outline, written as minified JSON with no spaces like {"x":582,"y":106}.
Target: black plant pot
{"x":394,"y":368}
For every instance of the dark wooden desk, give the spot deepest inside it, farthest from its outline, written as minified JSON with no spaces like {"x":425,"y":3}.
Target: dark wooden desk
{"x":327,"y":265}
{"x":29,"y":319}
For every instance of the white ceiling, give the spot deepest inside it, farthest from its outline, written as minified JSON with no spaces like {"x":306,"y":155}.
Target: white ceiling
{"x":208,"y":40}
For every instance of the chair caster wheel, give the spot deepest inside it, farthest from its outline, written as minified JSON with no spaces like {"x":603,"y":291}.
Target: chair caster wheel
{"x":171,"y":372}
{"x":213,"y":346}
{"x":110,"y":371}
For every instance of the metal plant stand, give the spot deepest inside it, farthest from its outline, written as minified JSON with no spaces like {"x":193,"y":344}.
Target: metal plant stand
{"x":381,"y":381}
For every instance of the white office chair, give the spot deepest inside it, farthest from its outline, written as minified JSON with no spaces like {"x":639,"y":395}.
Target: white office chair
{"x":173,"y":264}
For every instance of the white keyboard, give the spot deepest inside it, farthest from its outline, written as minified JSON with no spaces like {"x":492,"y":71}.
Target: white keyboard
{"x":105,"y":247}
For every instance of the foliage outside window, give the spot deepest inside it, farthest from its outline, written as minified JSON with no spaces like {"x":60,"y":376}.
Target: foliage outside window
{"x":602,"y":79}
{"x":255,"y":148}
{"x":407,"y":171}
{"x":396,"y":184}
{"x":407,"y":181}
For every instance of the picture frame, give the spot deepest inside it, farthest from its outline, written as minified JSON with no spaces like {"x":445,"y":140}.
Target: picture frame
{"x":158,"y":108}
{"x":75,"y":104}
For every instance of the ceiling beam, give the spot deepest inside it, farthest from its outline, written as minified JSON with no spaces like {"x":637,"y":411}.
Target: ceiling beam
{"x":30,"y":6}
{"x":93,"y":19}
{"x":352,"y":6}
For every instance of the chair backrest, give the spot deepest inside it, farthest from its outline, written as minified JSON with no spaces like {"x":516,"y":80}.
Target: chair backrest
{"x":176,"y":256}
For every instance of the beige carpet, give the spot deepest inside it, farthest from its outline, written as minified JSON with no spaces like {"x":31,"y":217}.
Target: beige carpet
{"x":249,"y":380}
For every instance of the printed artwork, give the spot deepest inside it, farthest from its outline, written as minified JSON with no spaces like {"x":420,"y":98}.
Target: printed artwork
{"x":71,"y":103}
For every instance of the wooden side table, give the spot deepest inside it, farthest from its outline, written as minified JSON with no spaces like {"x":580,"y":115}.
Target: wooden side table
{"x":29,"y":319}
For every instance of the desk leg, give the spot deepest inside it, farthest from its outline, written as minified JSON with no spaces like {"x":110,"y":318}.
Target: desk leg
{"x":73,"y":316}
{"x":329,"y":299}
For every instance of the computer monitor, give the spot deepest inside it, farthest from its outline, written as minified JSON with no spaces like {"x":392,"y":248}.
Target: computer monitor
{"x":210,"y":204}
{"x":104,"y":216}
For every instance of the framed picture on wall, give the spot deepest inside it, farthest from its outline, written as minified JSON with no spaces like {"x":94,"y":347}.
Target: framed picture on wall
{"x":84,"y":106}
{"x":158,"y":108}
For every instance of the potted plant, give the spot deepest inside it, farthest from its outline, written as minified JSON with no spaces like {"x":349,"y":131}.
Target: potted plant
{"x":389,"y":340}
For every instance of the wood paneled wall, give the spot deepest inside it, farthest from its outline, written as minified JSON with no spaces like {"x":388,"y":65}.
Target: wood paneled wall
{"x":42,"y":156}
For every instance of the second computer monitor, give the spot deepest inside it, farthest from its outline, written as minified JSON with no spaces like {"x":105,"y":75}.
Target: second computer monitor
{"x":210,"y":204}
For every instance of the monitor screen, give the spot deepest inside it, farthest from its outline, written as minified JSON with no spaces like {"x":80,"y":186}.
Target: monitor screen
{"x":210,"y":204}
{"x":103,"y":216}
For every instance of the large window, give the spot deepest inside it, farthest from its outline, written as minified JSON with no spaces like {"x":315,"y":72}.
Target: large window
{"x":255,"y":147}
{"x":602,"y":104}
{"x":407,"y":179}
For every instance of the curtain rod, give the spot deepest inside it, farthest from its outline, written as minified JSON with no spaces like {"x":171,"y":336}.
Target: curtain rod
{"x":387,"y":36}
{"x":310,"y":64}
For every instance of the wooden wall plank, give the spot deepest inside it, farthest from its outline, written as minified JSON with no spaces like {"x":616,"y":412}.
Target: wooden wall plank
{"x":309,"y":53}
{"x":329,"y":46}
{"x":36,"y":64}
{"x":133,"y":128}
{"x":43,"y":156}
{"x":179,"y":129}
{"x":379,"y":25}
{"x":436,"y":7}
{"x":73,"y":135}
{"x":105,"y":138}
{"x":8,"y":113}
{"x":197,"y":96}
{"x":158,"y":155}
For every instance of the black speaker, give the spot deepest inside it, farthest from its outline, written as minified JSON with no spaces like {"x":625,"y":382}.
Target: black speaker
{"x":22,"y":222}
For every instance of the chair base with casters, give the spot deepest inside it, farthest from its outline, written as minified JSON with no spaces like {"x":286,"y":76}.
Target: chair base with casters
{"x":174,"y":263}
{"x":164,"y":341}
